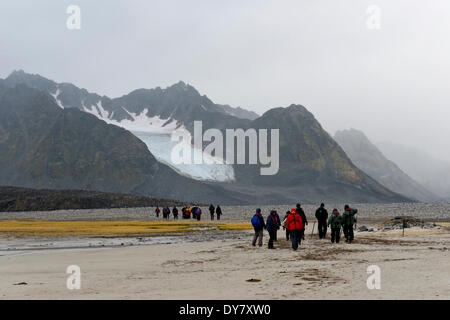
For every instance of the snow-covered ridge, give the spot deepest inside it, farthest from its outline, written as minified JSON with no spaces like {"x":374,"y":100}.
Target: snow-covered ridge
{"x":141,"y":122}
{"x":55,"y":95}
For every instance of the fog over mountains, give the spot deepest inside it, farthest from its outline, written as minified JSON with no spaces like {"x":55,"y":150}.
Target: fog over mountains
{"x":56,"y":135}
{"x":432,"y":173}
{"x":366,"y":156}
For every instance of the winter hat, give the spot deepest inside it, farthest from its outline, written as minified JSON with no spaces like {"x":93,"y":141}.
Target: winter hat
{"x":258,"y":210}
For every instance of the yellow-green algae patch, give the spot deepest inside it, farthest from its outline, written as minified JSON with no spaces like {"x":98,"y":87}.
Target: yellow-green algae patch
{"x":22,"y":228}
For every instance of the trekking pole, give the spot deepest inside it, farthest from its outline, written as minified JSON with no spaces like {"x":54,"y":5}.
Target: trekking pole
{"x":314,"y":224}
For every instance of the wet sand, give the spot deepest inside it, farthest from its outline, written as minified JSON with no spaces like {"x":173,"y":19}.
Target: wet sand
{"x":412,"y":267}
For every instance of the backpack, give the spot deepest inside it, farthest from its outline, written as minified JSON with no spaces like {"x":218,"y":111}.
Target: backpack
{"x":256,"y":222}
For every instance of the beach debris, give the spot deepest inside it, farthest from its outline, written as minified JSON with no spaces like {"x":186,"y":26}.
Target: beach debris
{"x":20,"y":284}
{"x":253,"y":280}
{"x":403,"y":222}
{"x":363,"y":228}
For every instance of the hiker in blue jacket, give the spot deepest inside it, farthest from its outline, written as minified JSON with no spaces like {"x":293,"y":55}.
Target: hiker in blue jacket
{"x":258,"y":226}
{"x":272,"y":226}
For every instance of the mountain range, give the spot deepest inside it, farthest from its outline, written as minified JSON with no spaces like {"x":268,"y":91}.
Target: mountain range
{"x":432,"y":173}
{"x":366,"y":156}
{"x":56,"y":135}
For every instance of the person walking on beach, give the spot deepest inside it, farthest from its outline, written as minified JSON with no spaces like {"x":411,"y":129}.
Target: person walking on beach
{"x":258,"y":225}
{"x":322,"y":217}
{"x":198,"y":213}
{"x":304,"y":220}
{"x":157,"y":212}
{"x":272,"y":227}
{"x":218,"y":212}
{"x":175,"y":213}
{"x":348,"y":220}
{"x":185,"y":213}
{"x":284,"y":225}
{"x":335,"y":223}
{"x":188,"y":212}
{"x":211,"y":211}
{"x":278,"y":224}
{"x":194,"y":212}
{"x":294,"y":224}
{"x":166,"y":213}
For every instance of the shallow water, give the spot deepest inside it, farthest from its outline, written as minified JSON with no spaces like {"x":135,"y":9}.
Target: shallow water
{"x":14,"y":246}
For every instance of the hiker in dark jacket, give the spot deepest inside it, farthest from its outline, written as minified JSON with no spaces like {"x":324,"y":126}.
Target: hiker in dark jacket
{"x":348,"y":220}
{"x":284,"y":225}
{"x":335,"y":223}
{"x":294,"y":224}
{"x":258,"y":226}
{"x":175,"y":213}
{"x":218,"y":212}
{"x":322,"y":217}
{"x":304,"y":220}
{"x":211,"y":211}
{"x":272,"y":227}
{"x":166,"y":212}
{"x":157,"y":212}
{"x":278,"y":223}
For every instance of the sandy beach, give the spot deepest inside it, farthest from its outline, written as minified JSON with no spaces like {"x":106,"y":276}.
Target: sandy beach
{"x":412,"y":267}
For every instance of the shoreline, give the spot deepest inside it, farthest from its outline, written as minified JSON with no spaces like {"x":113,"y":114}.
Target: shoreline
{"x":413,"y":267}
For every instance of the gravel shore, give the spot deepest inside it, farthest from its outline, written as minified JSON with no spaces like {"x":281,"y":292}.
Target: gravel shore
{"x":242,"y":213}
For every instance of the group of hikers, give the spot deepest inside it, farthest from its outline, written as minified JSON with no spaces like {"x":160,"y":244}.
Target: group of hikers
{"x":187,"y":212}
{"x":294,"y":223}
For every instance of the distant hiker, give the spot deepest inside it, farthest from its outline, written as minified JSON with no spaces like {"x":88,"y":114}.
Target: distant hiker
{"x":294,"y":224}
{"x":175,"y":213}
{"x":304,"y":220}
{"x":322,"y":216}
{"x":272,"y":227}
{"x":198,"y":213}
{"x":188,"y":212}
{"x":284,"y":225}
{"x":258,"y":225}
{"x":157,"y":212}
{"x":278,"y":224}
{"x":211,"y":211}
{"x":348,"y":220}
{"x":194,"y":212}
{"x":218,"y":212}
{"x":166,"y":213}
{"x":335,"y":223}
{"x":184,"y":213}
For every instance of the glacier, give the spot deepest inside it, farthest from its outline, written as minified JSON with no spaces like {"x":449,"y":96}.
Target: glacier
{"x":156,"y":134}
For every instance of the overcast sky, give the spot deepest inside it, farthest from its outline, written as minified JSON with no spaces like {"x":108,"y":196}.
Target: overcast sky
{"x":392,"y":83}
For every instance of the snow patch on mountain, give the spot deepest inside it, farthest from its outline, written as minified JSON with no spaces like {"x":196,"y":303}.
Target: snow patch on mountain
{"x":140,"y":122}
{"x":55,"y":96}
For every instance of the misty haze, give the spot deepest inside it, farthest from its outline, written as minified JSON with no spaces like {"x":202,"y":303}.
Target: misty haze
{"x":190,"y":137}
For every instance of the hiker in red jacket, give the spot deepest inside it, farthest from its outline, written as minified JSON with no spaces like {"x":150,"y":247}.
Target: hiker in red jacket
{"x":294,"y":224}
{"x":157,"y":212}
